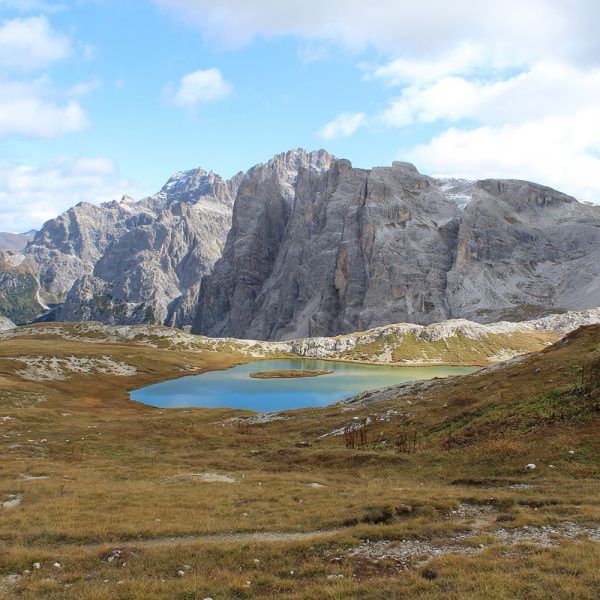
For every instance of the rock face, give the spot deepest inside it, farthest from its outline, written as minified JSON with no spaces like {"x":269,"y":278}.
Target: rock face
{"x":127,"y":261}
{"x":261,"y":212}
{"x":151,"y":271}
{"x":143,"y":262}
{"x":359,"y":249}
{"x":306,"y":245}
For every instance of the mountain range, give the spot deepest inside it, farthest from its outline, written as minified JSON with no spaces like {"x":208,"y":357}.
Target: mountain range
{"x":307,"y":245}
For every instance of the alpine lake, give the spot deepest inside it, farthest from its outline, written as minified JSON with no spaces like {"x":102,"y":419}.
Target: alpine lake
{"x":235,"y":388}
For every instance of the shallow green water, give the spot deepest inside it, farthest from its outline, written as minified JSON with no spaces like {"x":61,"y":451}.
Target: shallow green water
{"x":234,"y":388}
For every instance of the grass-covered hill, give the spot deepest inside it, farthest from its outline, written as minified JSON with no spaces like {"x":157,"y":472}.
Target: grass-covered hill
{"x":418,"y":491}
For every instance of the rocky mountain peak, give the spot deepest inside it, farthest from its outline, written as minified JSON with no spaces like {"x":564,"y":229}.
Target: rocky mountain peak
{"x":190,"y":186}
{"x":399,"y":165}
{"x":317,"y":160}
{"x":306,"y":244}
{"x":283,"y":168}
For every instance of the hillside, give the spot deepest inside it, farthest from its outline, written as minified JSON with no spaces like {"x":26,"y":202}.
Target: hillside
{"x":450,"y":342}
{"x":432,"y":498}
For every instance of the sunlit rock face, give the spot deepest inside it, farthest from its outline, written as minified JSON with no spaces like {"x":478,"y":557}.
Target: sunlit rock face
{"x":363,"y":248}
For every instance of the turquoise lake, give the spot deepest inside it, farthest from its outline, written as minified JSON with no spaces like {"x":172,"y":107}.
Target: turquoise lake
{"x":234,"y":388}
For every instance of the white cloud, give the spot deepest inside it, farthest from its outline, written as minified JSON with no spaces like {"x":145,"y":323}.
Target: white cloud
{"x":83,"y":88}
{"x":544,"y":89}
{"x":560,"y":151}
{"x":31,"y":43}
{"x":35,"y":107}
{"x":464,"y":58}
{"x":343,"y":125}
{"x":31,"y":195}
{"x":30,"y":109}
{"x":520,"y":29}
{"x":200,"y":87}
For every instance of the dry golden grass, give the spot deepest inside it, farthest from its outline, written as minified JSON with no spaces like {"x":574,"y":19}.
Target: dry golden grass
{"x":120,"y":475}
{"x":287,"y":374}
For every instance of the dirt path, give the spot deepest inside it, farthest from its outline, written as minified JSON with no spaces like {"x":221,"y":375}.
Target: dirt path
{"x":221,"y":538}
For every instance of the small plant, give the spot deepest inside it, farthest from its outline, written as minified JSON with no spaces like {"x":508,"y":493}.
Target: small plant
{"x":355,"y":437}
{"x":590,"y":377}
{"x":377,"y":515}
{"x":243,"y":428}
{"x":406,"y":443}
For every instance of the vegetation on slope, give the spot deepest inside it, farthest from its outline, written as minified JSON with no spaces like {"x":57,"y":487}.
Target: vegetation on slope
{"x":18,"y":296}
{"x":429,"y":501}
{"x":458,"y":349}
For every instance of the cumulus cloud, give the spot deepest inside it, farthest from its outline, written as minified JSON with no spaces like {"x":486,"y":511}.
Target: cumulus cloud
{"x":517,"y":29}
{"x":560,"y":151}
{"x":544,"y":89}
{"x":30,"y":195}
{"x":343,"y":125}
{"x":34,"y":107}
{"x":29,"y":108}
{"x":31,"y":43}
{"x":200,"y":87}
{"x":542,"y":124}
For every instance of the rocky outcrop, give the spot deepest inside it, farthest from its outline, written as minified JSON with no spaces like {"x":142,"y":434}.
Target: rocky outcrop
{"x":261,"y":212}
{"x":457,"y":341}
{"x":143,"y":262}
{"x":360,"y":249}
{"x":127,"y":261}
{"x":305,"y":245}
{"x":454,"y":341}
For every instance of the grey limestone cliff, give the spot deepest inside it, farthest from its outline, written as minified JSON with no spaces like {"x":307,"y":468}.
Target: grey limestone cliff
{"x":151,"y":270}
{"x":364,"y":248}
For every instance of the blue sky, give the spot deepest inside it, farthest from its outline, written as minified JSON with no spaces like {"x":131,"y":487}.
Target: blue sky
{"x":100,"y":98}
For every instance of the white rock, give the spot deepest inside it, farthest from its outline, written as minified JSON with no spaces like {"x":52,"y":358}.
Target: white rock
{"x":530,"y":467}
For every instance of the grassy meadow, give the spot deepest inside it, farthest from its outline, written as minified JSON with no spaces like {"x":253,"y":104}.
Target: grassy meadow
{"x":423,"y":495}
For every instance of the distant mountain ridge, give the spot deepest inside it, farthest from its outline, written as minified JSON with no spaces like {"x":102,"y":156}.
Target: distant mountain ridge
{"x":138,"y":262}
{"x":307,"y":245}
{"x":15,"y":242}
